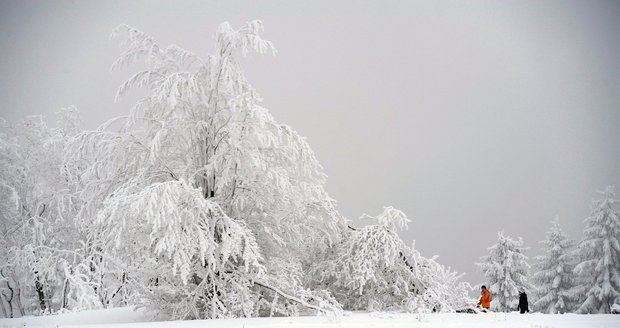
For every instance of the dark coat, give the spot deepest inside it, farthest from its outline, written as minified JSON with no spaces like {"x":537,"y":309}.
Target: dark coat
{"x":523,"y":306}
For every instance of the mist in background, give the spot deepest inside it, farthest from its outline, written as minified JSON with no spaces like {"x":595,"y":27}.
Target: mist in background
{"x":471,"y":117}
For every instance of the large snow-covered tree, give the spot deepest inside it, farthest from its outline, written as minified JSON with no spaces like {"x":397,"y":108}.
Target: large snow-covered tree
{"x":200,"y":192}
{"x":598,"y":256}
{"x":506,"y":270}
{"x":554,"y":278}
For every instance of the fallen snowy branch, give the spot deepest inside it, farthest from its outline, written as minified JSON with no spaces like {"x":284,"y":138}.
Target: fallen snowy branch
{"x":292,"y":298}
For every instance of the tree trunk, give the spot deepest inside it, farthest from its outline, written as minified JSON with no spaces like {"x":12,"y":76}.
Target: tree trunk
{"x":5,"y":313}
{"x":119,"y":289}
{"x":65,"y":294}
{"x":39,"y":288}
{"x":17,"y":300}
{"x":10,"y":299}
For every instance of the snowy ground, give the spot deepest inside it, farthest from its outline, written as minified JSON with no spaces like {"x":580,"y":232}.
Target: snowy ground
{"x":126,"y":318}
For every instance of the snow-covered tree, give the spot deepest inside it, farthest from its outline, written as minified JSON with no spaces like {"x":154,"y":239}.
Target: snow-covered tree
{"x":37,"y":238}
{"x":554,"y":277}
{"x":200,"y":194}
{"x":506,"y":270}
{"x":598,"y":255}
{"x":372,"y":269}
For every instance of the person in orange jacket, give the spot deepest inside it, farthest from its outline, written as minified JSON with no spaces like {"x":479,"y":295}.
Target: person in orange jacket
{"x":485,"y":298}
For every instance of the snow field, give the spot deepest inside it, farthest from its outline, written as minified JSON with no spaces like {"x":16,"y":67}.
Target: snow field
{"x":127,"y":318}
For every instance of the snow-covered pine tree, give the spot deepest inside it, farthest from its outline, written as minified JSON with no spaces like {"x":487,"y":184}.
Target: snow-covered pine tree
{"x":598,"y":256}
{"x":554,"y":277}
{"x":201,"y":197}
{"x":506,"y":270}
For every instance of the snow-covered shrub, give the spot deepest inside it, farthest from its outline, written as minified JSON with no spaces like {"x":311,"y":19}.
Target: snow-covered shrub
{"x":368,"y":269}
{"x":372,"y":269}
{"x":444,"y":290}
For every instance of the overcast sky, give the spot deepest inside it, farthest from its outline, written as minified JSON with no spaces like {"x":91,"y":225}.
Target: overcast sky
{"x":472,"y":117}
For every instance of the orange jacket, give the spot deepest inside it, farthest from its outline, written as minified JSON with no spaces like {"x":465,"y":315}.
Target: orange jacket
{"x":485,"y":298}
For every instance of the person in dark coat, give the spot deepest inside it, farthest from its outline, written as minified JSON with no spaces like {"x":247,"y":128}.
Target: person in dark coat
{"x":523,"y":306}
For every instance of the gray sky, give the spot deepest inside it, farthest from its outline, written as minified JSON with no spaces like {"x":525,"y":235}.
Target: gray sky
{"x":471,"y":117}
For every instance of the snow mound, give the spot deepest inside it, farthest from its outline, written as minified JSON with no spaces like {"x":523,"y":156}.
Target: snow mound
{"x":93,"y":317}
{"x":130,"y":318}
